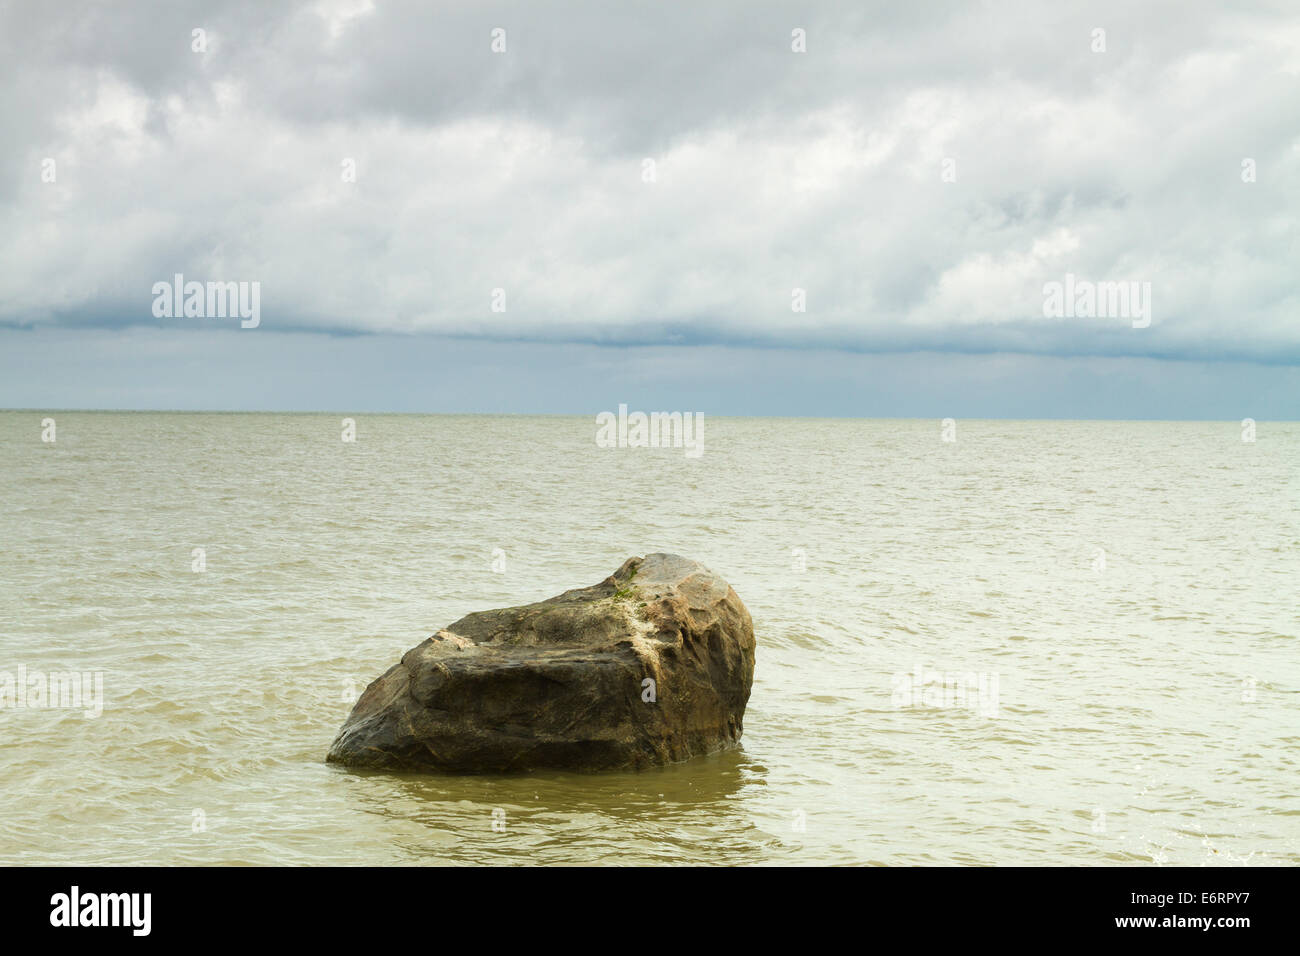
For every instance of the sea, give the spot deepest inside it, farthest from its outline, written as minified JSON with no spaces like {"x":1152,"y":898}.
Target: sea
{"x":978,"y":642}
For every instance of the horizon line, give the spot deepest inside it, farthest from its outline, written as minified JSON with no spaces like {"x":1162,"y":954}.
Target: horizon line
{"x":345,"y":412}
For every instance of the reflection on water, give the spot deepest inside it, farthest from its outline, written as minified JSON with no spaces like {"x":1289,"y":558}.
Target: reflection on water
{"x":493,"y":819}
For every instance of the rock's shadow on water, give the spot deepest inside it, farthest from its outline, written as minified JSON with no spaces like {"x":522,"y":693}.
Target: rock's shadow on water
{"x":475,"y":817}
{"x":692,"y":784}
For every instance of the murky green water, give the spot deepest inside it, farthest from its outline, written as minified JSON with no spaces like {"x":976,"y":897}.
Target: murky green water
{"x":1141,"y":703}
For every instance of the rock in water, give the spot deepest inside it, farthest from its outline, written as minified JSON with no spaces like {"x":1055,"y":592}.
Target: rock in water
{"x":652,"y":665}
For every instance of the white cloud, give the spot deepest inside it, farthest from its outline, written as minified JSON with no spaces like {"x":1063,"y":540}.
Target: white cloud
{"x":774,"y":170}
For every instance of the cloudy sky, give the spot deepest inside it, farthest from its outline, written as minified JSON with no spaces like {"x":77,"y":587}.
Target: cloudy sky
{"x":647,"y":184}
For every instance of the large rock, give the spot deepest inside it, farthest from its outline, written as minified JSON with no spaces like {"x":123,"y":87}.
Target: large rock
{"x":564,"y":683}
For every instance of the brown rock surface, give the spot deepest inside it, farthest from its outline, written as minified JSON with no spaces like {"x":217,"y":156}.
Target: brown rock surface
{"x":563,"y":683}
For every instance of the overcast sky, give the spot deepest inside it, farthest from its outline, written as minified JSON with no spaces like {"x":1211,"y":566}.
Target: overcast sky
{"x":529,"y":171}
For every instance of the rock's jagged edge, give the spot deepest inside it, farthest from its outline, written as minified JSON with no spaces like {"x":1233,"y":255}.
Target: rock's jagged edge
{"x":560,"y":684}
